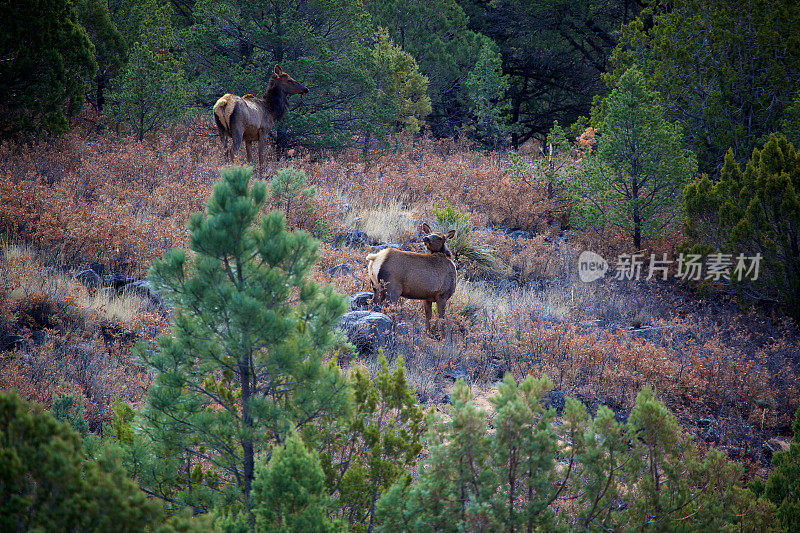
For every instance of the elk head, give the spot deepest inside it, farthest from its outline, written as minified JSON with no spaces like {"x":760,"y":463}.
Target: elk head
{"x":436,"y":242}
{"x":287,"y":84}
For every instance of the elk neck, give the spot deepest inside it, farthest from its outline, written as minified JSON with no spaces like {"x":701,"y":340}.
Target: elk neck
{"x":276,"y":100}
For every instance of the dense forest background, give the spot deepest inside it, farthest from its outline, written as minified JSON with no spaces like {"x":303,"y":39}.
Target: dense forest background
{"x":500,"y":72}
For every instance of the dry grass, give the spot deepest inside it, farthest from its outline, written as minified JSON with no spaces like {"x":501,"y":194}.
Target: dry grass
{"x":388,"y":223}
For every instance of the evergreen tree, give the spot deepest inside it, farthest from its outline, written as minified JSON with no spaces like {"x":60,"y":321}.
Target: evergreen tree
{"x":366,"y":452}
{"x":289,"y":493}
{"x":46,"y":62}
{"x":554,"y":53}
{"x":48,"y":485}
{"x":640,"y":476}
{"x":754,"y":212}
{"x":790,"y":126}
{"x":486,"y":89}
{"x":636,"y":175}
{"x":455,"y":486}
{"x":524,"y":453}
{"x":69,"y":408}
{"x":437,"y":35}
{"x":325,"y":44}
{"x":401,"y":85}
{"x":109,"y":45}
{"x":243,"y":363}
{"x":725,"y":73}
{"x":783,"y":485}
{"x":290,"y":193}
{"x":151,"y":92}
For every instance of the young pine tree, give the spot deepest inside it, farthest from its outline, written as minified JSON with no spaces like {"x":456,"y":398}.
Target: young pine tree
{"x":289,"y":493}
{"x":151,"y":91}
{"x":754,"y":211}
{"x":638,"y":172}
{"x":243,"y":364}
{"x":486,"y":90}
{"x":366,"y":452}
{"x":49,"y":485}
{"x":783,"y":486}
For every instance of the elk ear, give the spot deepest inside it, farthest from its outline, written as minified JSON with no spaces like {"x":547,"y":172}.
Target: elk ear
{"x":278,"y":70}
{"x":426,"y":228}
{"x":450,"y":234}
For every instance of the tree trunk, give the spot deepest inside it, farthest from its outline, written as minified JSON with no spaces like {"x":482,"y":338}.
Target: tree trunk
{"x":247,"y":443}
{"x":637,"y":219}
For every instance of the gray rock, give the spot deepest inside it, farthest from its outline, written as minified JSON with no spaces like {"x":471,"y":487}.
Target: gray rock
{"x":712,"y":435}
{"x":367,"y":330}
{"x":360,"y":301}
{"x":356,"y":237}
{"x":457,"y":373}
{"x":10,"y":341}
{"x":116,"y":279}
{"x":338,"y":271}
{"x":108,"y":292}
{"x":89,"y":279}
{"x":520,"y":234}
{"x":39,"y":337}
{"x":705,"y":422}
{"x":384,"y":245}
{"x":773,"y":446}
{"x":556,"y":400}
{"x":144,"y":288}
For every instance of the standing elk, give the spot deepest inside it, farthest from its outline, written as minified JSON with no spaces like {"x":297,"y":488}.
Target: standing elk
{"x":429,"y":277}
{"x":250,"y":119}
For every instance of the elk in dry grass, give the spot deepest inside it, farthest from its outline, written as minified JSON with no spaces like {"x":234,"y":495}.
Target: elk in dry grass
{"x":250,"y":119}
{"x":429,"y":277}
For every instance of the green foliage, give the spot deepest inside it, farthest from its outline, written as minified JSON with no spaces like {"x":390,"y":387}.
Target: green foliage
{"x":557,"y":142}
{"x":725,"y":73}
{"x":121,"y":424}
{"x":401,"y":84}
{"x":463,"y":245}
{"x":69,"y":408}
{"x":583,"y":474}
{"x":448,"y":215}
{"x":109,"y":45}
{"x":289,"y":493}
{"x":243,"y":364}
{"x":486,"y":91}
{"x":437,"y":35}
{"x":367,"y":451}
{"x":289,"y":191}
{"x":46,"y":63}
{"x":755,"y":211}
{"x":790,"y":126}
{"x":151,"y":91}
{"x":783,"y":485}
{"x":48,"y":485}
{"x":639,"y":169}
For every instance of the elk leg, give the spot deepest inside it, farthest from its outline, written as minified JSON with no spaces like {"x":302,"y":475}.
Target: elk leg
{"x":223,"y":138}
{"x":441,"y":304}
{"x":247,"y":149}
{"x":237,"y":142}
{"x":428,"y":313}
{"x":261,"y":145}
